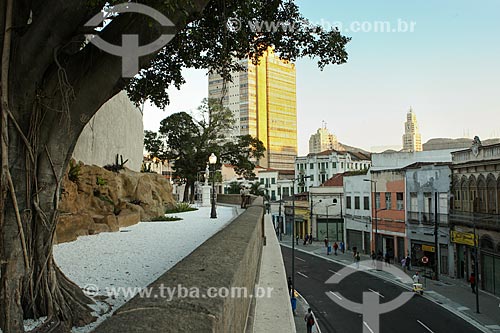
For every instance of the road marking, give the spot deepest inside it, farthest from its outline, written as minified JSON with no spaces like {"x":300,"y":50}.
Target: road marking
{"x":307,"y":277}
{"x":334,"y":294}
{"x":334,"y":272}
{"x":376,"y":292}
{"x":299,"y":259}
{"x":427,"y":328}
{"x":368,"y":327}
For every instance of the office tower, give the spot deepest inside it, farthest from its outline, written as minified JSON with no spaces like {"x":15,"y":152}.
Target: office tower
{"x":262,"y":99}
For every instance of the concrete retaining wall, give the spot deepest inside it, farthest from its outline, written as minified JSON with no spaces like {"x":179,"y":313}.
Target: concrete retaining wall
{"x":229,"y":259}
{"x":115,"y":129}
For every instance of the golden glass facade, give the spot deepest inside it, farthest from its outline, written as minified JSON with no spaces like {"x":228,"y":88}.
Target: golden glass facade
{"x":264,"y":104}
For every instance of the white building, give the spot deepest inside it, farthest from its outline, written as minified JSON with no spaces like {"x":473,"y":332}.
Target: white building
{"x":322,"y":166}
{"x":322,"y":140}
{"x":412,"y":141}
{"x":357,"y":193}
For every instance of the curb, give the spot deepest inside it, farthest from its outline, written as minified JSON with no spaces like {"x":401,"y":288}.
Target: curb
{"x":315,"y":319}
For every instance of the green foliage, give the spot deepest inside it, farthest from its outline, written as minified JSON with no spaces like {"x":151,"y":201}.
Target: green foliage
{"x":189,"y":141}
{"x":180,"y":208}
{"x":119,"y":164}
{"x":74,"y":171}
{"x":105,"y":198}
{"x":208,"y":43}
{"x":234,"y":188}
{"x":101,"y":181}
{"x":256,"y":190}
{"x":165,"y":219}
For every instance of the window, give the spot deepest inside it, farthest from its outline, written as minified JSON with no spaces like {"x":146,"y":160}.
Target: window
{"x":334,"y":165}
{"x":279,"y":190}
{"x":348,"y":202}
{"x":273,"y":195}
{"x":413,"y":202}
{"x":273,"y":180}
{"x":261,"y":180}
{"x":342,"y":165}
{"x":366,"y":203}
{"x":356,"y":203}
{"x":400,"y":202}
{"x":377,"y":200}
{"x":311,"y":178}
{"x":286,"y":191}
{"x":388,"y":203}
{"x":311,"y":166}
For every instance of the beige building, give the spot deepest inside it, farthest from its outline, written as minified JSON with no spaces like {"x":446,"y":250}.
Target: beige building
{"x":412,"y":140}
{"x":323,"y":140}
{"x":263,"y":101}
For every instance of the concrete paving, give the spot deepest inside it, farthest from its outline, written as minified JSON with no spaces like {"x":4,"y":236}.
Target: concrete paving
{"x":452,"y":294}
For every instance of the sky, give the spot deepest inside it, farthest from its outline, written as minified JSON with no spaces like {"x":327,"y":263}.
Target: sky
{"x":446,"y":68}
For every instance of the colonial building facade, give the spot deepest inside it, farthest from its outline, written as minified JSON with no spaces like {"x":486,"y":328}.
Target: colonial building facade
{"x":476,"y":210}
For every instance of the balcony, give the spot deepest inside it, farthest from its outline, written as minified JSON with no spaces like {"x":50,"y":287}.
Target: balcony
{"x":482,"y":220}
{"x":426,"y":218}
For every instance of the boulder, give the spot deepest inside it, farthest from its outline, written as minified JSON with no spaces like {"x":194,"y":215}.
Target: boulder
{"x":101,"y":200}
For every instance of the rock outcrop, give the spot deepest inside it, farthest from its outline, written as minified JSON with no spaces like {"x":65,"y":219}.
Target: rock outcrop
{"x":97,"y":200}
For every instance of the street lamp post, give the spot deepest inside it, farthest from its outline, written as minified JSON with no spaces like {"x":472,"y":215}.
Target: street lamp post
{"x":280,"y":222}
{"x":374,"y":182}
{"x":476,"y":266}
{"x":311,"y":214}
{"x":212,"y":160}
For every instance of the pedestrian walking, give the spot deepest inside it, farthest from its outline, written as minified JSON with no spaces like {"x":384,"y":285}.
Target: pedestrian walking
{"x":374,"y":257}
{"x":297,"y":240}
{"x":357,"y":258}
{"x":310,"y":238}
{"x":472,"y":281}
{"x":306,"y":239}
{"x":290,"y":286}
{"x":326,"y":242}
{"x":342,"y":247}
{"x":408,"y":263}
{"x":403,"y":263}
{"x":243,"y":199}
{"x":335,"y":248}
{"x":416,"y":278}
{"x":309,"y":319}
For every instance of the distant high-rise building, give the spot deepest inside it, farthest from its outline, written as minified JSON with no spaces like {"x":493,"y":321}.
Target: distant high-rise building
{"x":322,"y":140}
{"x":263,"y":101}
{"x":412,"y":140}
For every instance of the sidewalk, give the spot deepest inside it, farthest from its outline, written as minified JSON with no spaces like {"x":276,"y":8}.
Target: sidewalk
{"x":452,"y":294}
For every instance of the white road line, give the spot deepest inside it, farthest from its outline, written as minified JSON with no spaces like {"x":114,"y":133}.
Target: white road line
{"x":427,"y":328}
{"x":334,"y":294}
{"x":334,"y":272}
{"x":376,"y":292}
{"x":307,"y":277}
{"x":299,"y":259}
{"x":368,"y":327}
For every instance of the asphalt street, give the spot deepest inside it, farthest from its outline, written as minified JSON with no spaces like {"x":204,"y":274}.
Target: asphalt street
{"x":416,"y":315}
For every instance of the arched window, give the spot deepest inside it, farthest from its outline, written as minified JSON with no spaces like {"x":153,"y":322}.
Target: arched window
{"x":486,"y":243}
{"x":481,"y":194}
{"x":473,"y":200}
{"x":464,"y":191}
{"x":457,"y":196}
{"x":491,"y":185}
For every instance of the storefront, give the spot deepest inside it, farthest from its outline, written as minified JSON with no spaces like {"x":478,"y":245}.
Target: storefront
{"x":334,"y":227}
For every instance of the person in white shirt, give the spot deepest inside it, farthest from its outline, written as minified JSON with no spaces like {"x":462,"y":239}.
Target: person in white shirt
{"x":416,"y":278}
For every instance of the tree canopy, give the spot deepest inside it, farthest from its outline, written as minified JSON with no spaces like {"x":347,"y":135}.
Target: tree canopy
{"x":53,"y":80}
{"x":188,"y":141}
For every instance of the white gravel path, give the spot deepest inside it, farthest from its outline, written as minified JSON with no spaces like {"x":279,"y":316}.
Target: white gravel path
{"x":136,"y":256}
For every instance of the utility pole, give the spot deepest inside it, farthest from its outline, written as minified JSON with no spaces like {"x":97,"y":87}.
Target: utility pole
{"x":436,"y":242}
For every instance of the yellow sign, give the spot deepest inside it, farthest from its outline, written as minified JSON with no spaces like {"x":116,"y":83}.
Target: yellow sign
{"x":463,"y":238}
{"x":428,"y":248}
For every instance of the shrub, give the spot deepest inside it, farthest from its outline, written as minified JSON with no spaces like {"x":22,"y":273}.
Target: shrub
{"x":101,"y":181}
{"x":181,"y":207}
{"x":165,"y":218}
{"x":74,"y":171}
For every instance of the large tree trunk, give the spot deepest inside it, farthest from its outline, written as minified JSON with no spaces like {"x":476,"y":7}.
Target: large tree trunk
{"x":48,"y":94}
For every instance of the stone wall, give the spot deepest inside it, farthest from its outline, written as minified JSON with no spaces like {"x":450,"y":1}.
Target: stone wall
{"x":115,"y":129}
{"x":229,"y":259}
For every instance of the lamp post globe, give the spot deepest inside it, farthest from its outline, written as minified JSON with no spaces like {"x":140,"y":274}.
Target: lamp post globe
{"x":212,"y":160}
